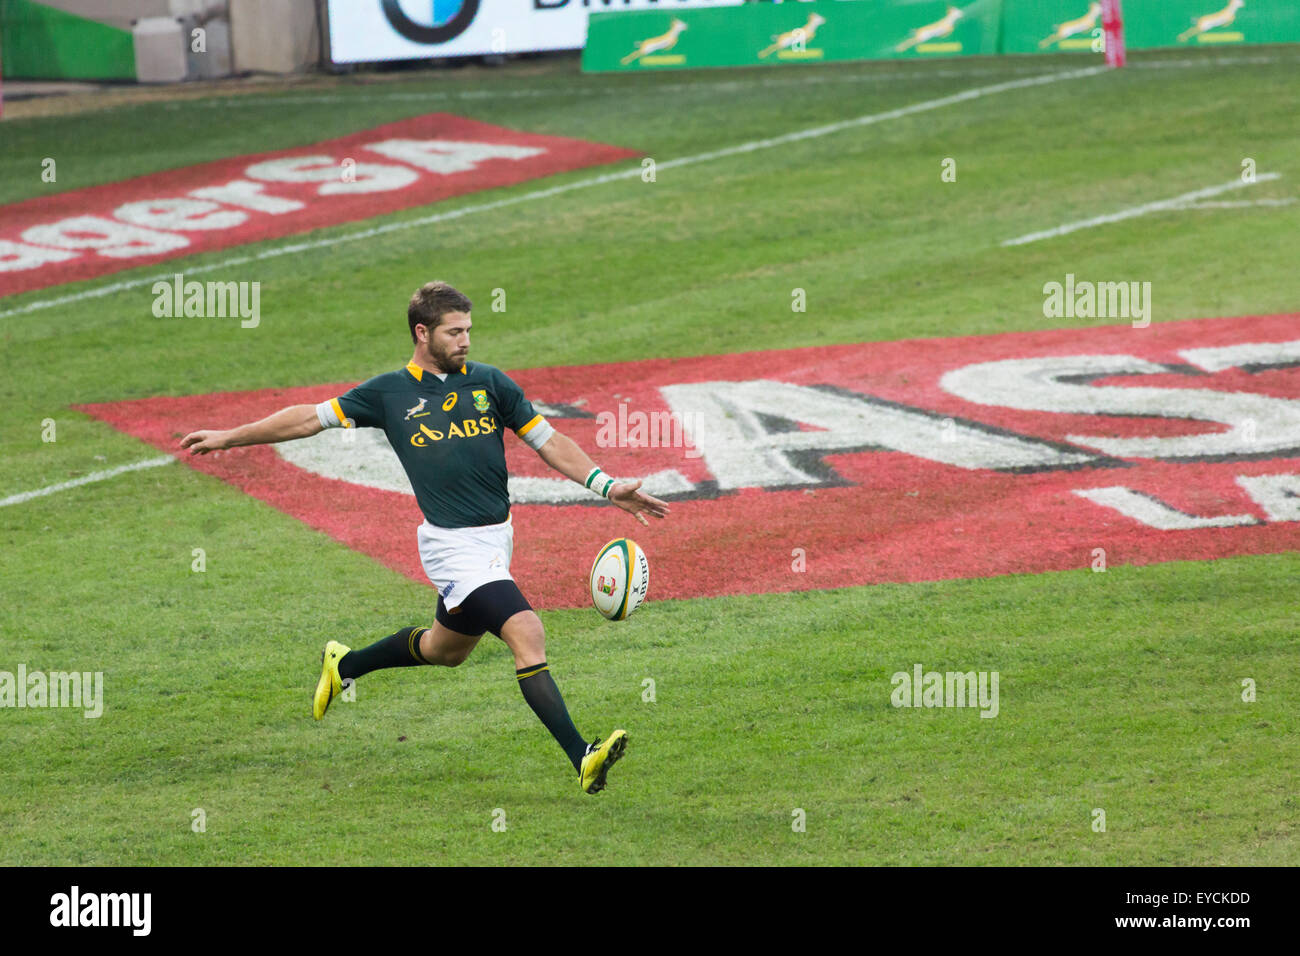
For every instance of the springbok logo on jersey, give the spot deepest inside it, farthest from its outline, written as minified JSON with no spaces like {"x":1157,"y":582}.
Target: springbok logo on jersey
{"x":418,"y":411}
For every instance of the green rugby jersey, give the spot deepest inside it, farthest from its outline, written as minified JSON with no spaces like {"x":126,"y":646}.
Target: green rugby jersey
{"x":447,"y":435}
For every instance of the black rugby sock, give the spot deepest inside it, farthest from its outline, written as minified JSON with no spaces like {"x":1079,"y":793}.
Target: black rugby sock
{"x":396,"y":650}
{"x":544,"y":698}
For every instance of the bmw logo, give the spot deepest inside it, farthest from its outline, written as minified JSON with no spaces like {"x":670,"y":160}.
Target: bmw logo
{"x":447,"y":19}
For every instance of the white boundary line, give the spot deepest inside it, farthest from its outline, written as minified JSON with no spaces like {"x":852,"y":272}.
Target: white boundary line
{"x":1133,"y":212}
{"x":85,"y":480}
{"x":752,"y":146}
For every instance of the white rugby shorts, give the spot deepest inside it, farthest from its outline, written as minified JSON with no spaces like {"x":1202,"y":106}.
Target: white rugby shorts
{"x":459,"y":560}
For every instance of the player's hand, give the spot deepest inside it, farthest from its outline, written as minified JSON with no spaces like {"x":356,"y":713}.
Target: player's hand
{"x":625,"y":495}
{"x":202,"y":442}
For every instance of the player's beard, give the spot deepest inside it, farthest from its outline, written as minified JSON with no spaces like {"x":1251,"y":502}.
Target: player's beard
{"x":447,"y":361}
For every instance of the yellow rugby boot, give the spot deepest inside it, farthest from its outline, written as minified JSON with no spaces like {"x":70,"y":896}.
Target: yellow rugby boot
{"x":330,"y":684}
{"x":600,"y":757}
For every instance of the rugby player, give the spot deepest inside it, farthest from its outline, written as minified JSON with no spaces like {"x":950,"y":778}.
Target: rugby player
{"x":444,"y":417}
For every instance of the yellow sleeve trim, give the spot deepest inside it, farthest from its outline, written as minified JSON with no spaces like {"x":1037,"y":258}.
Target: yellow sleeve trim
{"x":524,"y":431}
{"x":338,"y":410}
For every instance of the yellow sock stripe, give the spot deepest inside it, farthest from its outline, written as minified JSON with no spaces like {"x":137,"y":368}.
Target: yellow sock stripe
{"x":538,"y":670}
{"x":413,"y":643}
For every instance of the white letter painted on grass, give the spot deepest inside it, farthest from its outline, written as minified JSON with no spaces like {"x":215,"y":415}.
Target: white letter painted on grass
{"x":1154,"y":513}
{"x":729,"y":426}
{"x":1052,"y":384}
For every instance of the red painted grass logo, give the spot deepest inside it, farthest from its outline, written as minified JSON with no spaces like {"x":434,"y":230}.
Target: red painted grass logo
{"x":91,"y":232}
{"x":854,"y":464}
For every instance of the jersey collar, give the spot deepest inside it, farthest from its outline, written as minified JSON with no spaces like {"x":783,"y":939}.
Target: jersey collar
{"x":417,"y":373}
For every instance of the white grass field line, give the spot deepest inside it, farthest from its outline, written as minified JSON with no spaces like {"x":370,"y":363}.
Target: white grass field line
{"x":86,"y":480}
{"x":1185,"y":201}
{"x":814,"y":132}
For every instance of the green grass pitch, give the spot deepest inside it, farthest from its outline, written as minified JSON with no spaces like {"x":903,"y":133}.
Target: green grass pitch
{"x":1120,"y":691}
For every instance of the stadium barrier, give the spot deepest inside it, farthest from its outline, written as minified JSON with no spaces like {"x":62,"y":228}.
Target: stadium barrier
{"x":827,"y":30}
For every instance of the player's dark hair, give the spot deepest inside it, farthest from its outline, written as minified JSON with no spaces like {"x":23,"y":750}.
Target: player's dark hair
{"x":431,"y":302}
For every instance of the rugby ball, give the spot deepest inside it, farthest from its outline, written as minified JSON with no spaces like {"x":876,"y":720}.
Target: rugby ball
{"x":620,"y":578}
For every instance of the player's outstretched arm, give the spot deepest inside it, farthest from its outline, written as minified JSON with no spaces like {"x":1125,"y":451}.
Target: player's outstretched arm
{"x":296,"y":421}
{"x":563,"y":454}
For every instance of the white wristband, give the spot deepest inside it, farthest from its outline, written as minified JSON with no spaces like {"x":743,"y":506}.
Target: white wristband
{"x":599,"y":482}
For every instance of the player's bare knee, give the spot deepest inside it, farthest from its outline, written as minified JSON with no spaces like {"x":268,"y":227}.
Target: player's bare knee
{"x":443,"y":648}
{"x":526,"y":637}
{"x":448,"y":658}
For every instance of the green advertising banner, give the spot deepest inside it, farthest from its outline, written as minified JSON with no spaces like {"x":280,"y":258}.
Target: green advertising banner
{"x":1152,"y":24}
{"x":1049,"y":26}
{"x":763,"y":33}
{"x":1053,"y":26}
